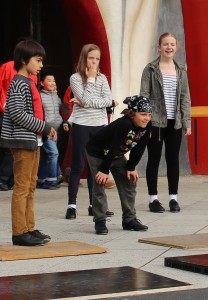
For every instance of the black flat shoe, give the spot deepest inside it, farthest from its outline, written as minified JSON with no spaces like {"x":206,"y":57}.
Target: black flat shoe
{"x":100,"y":228}
{"x":135,"y":225}
{"x":156,"y":207}
{"x":26,"y":239}
{"x":3,"y":187}
{"x":174,"y":206}
{"x":109,"y":213}
{"x":90,"y":213}
{"x":36,"y":233}
{"x":71,"y":213}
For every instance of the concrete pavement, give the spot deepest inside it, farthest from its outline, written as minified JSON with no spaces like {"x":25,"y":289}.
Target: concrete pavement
{"x":124,"y":248}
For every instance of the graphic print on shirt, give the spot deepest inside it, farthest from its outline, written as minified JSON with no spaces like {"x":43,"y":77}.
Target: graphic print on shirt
{"x":130,"y":142}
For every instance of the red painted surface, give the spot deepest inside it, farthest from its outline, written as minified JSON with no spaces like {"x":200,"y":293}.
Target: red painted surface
{"x":196,"y":32}
{"x":85,"y":26}
{"x":196,"y":43}
{"x":198,"y":146}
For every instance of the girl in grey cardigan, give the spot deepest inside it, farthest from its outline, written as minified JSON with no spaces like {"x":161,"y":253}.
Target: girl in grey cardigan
{"x":165,"y":82}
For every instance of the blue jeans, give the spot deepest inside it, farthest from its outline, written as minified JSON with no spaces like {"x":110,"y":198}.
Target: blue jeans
{"x":48,"y":161}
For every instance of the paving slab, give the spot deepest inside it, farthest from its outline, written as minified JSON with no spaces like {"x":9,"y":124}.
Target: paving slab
{"x":123,"y":246}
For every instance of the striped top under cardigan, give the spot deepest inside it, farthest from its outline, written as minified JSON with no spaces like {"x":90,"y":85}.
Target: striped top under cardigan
{"x":95,"y":97}
{"x":169,"y":89}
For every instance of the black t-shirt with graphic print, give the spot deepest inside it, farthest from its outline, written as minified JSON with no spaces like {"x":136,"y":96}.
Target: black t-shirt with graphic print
{"x":116,"y":139}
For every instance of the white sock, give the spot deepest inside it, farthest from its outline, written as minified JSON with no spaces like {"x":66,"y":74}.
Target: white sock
{"x":72,"y":206}
{"x":173,"y":197}
{"x":152,"y":198}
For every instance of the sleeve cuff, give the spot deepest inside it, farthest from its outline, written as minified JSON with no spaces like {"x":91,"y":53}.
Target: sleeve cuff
{"x":91,"y":80}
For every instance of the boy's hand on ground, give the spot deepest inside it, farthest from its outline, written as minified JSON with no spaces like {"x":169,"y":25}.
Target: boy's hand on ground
{"x":133,"y":174}
{"x":101,"y":178}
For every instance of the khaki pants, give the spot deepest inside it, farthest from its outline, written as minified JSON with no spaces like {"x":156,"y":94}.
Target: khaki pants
{"x":25,"y":168}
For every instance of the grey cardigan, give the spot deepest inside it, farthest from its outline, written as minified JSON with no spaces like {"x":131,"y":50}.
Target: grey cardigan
{"x":152,"y":87}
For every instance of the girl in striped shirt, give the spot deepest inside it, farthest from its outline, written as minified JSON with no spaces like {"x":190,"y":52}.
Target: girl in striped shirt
{"x":92,"y":96}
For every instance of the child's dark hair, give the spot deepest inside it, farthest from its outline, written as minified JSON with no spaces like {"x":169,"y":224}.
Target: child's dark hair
{"x":45,"y":74}
{"x":26,"y":49}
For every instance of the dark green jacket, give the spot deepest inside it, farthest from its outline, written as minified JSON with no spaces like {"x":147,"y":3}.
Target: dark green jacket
{"x":152,"y":87}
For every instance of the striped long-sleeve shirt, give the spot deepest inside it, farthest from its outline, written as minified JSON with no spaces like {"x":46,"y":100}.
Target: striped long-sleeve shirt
{"x":95,"y":97}
{"x":169,"y":89}
{"x":20,"y":125}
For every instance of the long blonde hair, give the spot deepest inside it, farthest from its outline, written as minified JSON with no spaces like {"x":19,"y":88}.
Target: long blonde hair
{"x":82,"y":63}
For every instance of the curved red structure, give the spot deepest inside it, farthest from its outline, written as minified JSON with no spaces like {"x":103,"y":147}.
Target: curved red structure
{"x":85,"y":26}
{"x":196,"y":32}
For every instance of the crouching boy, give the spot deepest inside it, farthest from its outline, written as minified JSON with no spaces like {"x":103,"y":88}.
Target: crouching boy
{"x":106,"y":152}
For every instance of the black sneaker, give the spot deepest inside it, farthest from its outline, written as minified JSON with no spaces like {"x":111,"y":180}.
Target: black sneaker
{"x":101,"y":228}
{"x":46,"y":185}
{"x":60,"y":179}
{"x":46,"y":238}
{"x":109,"y":213}
{"x":90,"y":213}
{"x":174,"y":206}
{"x":3,"y":187}
{"x":156,"y":206}
{"x":134,"y":224}
{"x":26,"y":239}
{"x":71,"y":213}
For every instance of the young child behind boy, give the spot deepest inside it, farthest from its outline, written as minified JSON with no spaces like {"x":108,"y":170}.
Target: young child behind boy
{"x":49,"y":168}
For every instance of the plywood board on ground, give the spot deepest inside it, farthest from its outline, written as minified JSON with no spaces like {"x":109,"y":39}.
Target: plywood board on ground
{"x":53,"y":249}
{"x":188,"y":241}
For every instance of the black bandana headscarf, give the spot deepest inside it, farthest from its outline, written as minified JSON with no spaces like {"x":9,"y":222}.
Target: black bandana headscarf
{"x":138,"y":104}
